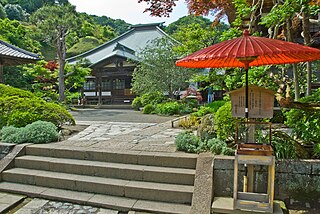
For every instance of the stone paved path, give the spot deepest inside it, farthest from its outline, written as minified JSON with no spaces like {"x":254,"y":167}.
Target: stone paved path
{"x":42,"y":206}
{"x":153,"y":137}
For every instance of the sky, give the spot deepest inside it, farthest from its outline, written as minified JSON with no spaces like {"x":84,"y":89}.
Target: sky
{"x":128,"y":10}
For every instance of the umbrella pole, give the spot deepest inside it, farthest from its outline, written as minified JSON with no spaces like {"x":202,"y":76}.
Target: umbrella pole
{"x":247,"y":96}
{"x":245,"y":177}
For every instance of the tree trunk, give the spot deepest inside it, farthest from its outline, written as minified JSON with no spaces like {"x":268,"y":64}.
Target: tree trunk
{"x":61,"y":47}
{"x":307,"y":41}
{"x":294,"y":66}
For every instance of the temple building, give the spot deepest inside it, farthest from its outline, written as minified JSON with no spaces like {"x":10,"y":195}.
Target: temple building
{"x":113,"y":63}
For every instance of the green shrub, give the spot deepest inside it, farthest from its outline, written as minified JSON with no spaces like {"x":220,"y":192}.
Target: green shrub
{"x":152,"y":98}
{"x":169,"y":108}
{"x":285,"y":147}
{"x":41,"y":132}
{"x":306,"y":123}
{"x":19,"y":108}
{"x":188,"y":142}
{"x":136,"y":103}
{"x":219,"y":147}
{"x":225,"y":124}
{"x":206,"y":127}
{"x":215,"y":105}
{"x":148,"y":109}
{"x":316,"y":150}
{"x":37,"y":132}
{"x":209,"y":108}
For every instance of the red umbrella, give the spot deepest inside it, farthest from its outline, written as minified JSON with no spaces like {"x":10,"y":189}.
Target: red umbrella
{"x":249,"y":51}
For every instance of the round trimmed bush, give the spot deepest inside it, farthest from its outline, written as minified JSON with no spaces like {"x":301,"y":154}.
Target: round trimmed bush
{"x":37,"y":132}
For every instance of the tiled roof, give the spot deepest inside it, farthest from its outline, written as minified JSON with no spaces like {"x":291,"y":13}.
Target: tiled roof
{"x":134,"y":40}
{"x":11,"y":55}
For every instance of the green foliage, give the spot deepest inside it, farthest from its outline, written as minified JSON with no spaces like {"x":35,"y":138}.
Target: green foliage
{"x":169,"y":108}
{"x":209,"y":108}
{"x":19,"y":108}
{"x":37,"y":132}
{"x":16,"y":34}
{"x":148,"y":109}
{"x":196,"y":36}
{"x":45,"y":81}
{"x":31,"y":5}
{"x":206,"y":127}
{"x":118,"y":25}
{"x":15,"y":12}
{"x":306,"y":123}
{"x":218,"y":147}
{"x":152,"y":98}
{"x":225,"y":124}
{"x":215,"y":105}
{"x":2,"y":12}
{"x":85,"y":44}
{"x":188,"y":142}
{"x":55,"y":21}
{"x":316,"y":150}
{"x":137,"y":103}
{"x":186,"y":21}
{"x":157,"y":70}
{"x":285,"y":147}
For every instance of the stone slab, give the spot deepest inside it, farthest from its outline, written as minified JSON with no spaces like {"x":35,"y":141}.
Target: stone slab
{"x":9,"y":201}
{"x":224,"y":205}
{"x":161,"y":207}
{"x":203,"y":185}
{"x":112,"y":202}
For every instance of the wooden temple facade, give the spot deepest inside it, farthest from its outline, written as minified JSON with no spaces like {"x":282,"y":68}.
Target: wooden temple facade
{"x":113,"y":64}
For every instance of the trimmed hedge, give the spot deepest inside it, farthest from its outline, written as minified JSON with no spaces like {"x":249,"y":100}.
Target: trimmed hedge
{"x":19,"y":108}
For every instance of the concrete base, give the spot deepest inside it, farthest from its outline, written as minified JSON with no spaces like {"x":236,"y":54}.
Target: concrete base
{"x":225,"y":205}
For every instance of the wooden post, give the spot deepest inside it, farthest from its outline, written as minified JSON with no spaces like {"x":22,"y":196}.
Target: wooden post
{"x":250,"y":178}
{"x":235,"y":182}
{"x":1,"y":72}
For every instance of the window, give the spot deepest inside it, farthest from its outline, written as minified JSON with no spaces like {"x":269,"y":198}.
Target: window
{"x":106,"y":85}
{"x":118,"y":84}
{"x":90,"y":85}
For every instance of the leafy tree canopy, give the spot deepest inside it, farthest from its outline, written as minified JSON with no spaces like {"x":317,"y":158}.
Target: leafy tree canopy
{"x":16,"y":34}
{"x":186,"y":21}
{"x":118,"y":25}
{"x":157,"y":70}
{"x":15,"y":12}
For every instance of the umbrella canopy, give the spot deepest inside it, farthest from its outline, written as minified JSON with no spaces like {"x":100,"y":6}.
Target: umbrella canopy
{"x":249,"y":51}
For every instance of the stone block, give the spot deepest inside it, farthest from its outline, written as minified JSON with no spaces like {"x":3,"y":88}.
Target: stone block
{"x":293,"y":166}
{"x":112,"y":202}
{"x":223,"y":162}
{"x":203,"y":185}
{"x":315,"y":165}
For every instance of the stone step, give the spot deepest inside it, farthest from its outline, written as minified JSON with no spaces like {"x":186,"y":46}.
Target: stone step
{"x":90,"y":199}
{"x":178,"y":160}
{"x":116,"y":187}
{"x":108,"y":170}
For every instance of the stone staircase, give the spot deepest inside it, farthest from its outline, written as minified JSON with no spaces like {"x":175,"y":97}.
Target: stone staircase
{"x":124,"y":181}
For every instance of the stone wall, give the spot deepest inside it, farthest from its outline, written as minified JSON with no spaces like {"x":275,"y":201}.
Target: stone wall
{"x":299,"y":179}
{"x":5,"y":148}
